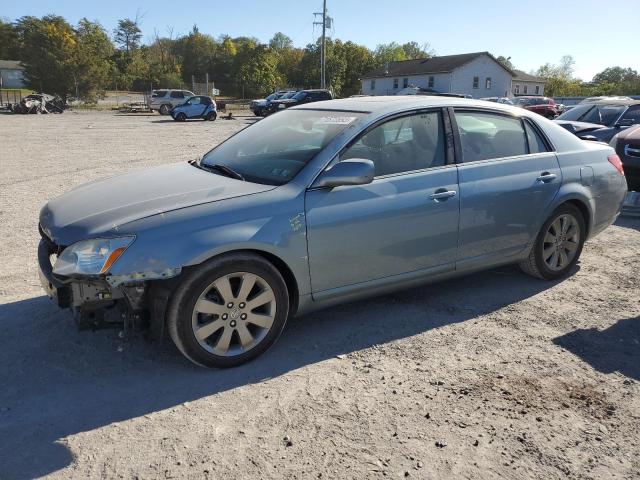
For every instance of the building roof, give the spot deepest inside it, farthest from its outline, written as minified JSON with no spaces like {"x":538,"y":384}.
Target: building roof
{"x":525,"y":77}
{"x":442,"y":64}
{"x":11,"y":65}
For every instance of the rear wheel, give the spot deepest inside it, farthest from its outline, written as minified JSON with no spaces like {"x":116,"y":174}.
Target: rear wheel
{"x":164,"y":109}
{"x":558,"y":245}
{"x":211,"y":116}
{"x":228,"y":311}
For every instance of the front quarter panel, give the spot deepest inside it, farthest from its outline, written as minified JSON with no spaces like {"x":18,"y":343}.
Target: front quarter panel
{"x":271,"y":222}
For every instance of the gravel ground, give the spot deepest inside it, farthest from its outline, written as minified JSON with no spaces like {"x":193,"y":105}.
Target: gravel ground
{"x":495,"y":375}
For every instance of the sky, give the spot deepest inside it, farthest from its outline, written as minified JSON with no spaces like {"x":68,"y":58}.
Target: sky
{"x":531,"y":33}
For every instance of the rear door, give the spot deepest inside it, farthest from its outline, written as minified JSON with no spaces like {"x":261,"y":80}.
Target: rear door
{"x":508,"y":176}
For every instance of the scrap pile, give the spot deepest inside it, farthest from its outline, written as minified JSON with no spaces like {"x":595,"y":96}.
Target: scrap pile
{"x":39,"y":103}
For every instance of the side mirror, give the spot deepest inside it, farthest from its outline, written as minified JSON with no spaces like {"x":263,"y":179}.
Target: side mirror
{"x":590,"y":138}
{"x":355,"y":171}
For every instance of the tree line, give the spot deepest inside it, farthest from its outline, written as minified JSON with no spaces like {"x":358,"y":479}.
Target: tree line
{"x":85,"y":60}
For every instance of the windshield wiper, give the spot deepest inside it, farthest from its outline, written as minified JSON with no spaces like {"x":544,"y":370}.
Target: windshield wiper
{"x":227,"y":171}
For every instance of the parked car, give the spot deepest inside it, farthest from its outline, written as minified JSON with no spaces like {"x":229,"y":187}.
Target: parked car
{"x":261,"y":107}
{"x":324,"y":204}
{"x":199,"y":106}
{"x":600,"y":120}
{"x":503,"y":100}
{"x":298,"y":98}
{"x":164,"y":100}
{"x":603,"y":98}
{"x":627,"y":146}
{"x":544,"y":106}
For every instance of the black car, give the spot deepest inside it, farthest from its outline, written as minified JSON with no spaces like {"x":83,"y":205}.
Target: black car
{"x":260,"y":107}
{"x":627,"y":146}
{"x":303,"y":96}
{"x":600,"y":120}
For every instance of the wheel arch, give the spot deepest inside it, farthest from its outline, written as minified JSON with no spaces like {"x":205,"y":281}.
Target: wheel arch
{"x":579,"y":199}
{"x":283,"y":268}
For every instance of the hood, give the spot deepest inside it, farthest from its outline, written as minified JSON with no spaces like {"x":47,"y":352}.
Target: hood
{"x":579,"y":127}
{"x":285,"y":100}
{"x":105,"y":205}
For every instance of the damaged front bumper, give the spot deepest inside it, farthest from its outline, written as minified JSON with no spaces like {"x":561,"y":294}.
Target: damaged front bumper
{"x":137,"y":300}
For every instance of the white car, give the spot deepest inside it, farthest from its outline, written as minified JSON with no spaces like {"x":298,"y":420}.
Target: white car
{"x":164,"y":100}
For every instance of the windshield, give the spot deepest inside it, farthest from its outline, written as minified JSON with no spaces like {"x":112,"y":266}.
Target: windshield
{"x":274,"y":150}
{"x":288,"y":95}
{"x":273,"y":96}
{"x":600,"y":114}
{"x":299,"y":95}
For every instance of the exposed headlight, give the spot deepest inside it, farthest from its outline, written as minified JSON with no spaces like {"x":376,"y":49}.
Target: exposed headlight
{"x":91,"y":257}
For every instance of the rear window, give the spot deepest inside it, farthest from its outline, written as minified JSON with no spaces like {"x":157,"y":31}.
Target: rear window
{"x":177,"y":94}
{"x":486,"y":135}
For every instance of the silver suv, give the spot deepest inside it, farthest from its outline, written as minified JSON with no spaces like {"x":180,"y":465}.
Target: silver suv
{"x":164,"y":100}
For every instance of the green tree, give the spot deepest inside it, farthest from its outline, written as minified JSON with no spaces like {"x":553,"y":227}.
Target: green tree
{"x":413,"y":51}
{"x":390,"y":52}
{"x":9,"y":41}
{"x":259,"y":74}
{"x":91,"y":64}
{"x":47,"y":51}
{"x":280,"y":42}
{"x":127,"y":34}
{"x":505,"y":61}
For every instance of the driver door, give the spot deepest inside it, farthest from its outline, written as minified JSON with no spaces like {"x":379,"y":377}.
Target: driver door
{"x":406,"y":220}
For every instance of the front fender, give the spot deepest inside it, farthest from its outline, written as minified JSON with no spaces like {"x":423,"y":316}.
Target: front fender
{"x":272,"y":222}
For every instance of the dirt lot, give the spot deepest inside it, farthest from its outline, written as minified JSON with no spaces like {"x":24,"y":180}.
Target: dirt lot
{"x":496,"y":375}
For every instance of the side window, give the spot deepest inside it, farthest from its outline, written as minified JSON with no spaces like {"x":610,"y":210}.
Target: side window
{"x":476,"y":81}
{"x":177,"y":94}
{"x":536,"y":143}
{"x":373,"y":84}
{"x":431,"y":80}
{"x":488,"y":135}
{"x":195,"y":101}
{"x":632,"y":114}
{"x":414,"y":142}
{"x":395,"y":83}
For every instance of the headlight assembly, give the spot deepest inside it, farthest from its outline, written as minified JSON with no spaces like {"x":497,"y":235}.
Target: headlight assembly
{"x":91,"y":257}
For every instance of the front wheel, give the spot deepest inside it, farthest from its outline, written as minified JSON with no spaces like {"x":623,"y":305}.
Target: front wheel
{"x":211,"y":116}
{"x":228,"y":311}
{"x":558,"y":245}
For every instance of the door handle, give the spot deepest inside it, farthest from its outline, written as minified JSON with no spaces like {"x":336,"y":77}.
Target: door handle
{"x":546,"y":177}
{"x":442,"y":194}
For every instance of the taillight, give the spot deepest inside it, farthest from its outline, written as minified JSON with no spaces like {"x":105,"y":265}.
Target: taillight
{"x":616,"y":162}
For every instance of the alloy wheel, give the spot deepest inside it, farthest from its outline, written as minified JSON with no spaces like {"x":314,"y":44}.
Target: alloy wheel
{"x":234,"y":314}
{"x":561,"y":242}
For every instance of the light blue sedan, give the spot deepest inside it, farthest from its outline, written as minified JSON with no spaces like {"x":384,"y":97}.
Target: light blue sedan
{"x":199,"y":106}
{"x":322,"y":204}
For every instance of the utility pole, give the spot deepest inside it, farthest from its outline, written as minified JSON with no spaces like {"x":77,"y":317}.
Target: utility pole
{"x":323,"y":45}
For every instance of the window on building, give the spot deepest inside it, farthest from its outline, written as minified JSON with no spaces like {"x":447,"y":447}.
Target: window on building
{"x":526,"y":88}
{"x":373,"y":84}
{"x":405,"y":82}
{"x":395,"y":83}
{"x":487,"y":135}
{"x":476,"y":81}
{"x":487,"y":83}
{"x":404,"y":144}
{"x":516,"y":90}
{"x":537,"y":89}
{"x":431,"y":81}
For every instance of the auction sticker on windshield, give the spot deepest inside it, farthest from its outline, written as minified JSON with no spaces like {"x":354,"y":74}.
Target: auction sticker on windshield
{"x":337,"y":120}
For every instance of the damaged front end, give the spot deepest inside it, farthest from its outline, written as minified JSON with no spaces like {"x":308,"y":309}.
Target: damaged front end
{"x":77,"y":277}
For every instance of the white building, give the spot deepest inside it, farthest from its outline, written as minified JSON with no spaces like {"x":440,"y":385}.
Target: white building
{"x":525,"y":84}
{"x":476,"y":74}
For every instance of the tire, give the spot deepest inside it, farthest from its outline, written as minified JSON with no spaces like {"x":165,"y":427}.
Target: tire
{"x":164,"y":109}
{"x":545,"y":260}
{"x":212,"y":296}
{"x":211,"y":116}
{"x":181,"y":117}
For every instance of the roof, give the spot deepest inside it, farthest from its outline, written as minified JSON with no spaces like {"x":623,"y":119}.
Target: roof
{"x":441,"y":64}
{"x":382,"y":103}
{"x":525,"y":77}
{"x":11,"y":65}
